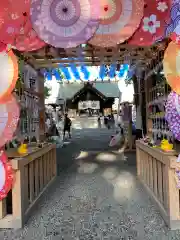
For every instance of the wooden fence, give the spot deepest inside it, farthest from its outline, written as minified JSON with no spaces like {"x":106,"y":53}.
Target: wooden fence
{"x":34,"y":173}
{"x":156,"y":171}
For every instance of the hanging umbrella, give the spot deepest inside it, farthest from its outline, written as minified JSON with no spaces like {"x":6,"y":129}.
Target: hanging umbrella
{"x":8,"y":73}
{"x":173,"y":114}
{"x":27,"y":40}
{"x":171,"y":68}
{"x":152,"y":27}
{"x":9,"y":116}
{"x":13,"y":16}
{"x":173,"y":27}
{"x":63,"y":23}
{"x":7,"y":175}
{"x":119,"y":20}
{"x":3,"y":47}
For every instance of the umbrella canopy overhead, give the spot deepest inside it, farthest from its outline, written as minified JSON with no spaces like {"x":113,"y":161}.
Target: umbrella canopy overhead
{"x":65,"y":24}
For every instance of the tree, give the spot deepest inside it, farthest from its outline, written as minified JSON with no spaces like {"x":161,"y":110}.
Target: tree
{"x":47,"y":91}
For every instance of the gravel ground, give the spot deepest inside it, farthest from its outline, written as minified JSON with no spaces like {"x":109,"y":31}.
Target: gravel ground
{"x":96,"y":196}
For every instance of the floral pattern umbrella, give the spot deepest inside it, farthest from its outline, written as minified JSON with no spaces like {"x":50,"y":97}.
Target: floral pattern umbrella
{"x":173,"y":114}
{"x":9,"y":117}
{"x":2,"y":47}
{"x":119,"y":20}
{"x":63,"y":23}
{"x":7,"y":175}
{"x":171,"y":63}
{"x":13,"y":16}
{"x":8,"y":74}
{"x":27,"y":40}
{"x":173,"y":26}
{"x":152,"y":27}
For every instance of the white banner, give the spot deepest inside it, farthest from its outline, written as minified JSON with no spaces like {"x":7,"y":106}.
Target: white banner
{"x":94,"y":105}
{"x":89,"y":104}
{"x":82,"y":105}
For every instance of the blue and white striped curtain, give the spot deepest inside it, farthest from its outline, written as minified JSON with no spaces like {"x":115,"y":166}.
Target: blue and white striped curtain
{"x":84,"y":73}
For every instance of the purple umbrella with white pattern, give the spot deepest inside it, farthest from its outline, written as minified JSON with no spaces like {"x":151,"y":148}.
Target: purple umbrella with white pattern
{"x":65,"y":23}
{"x":173,"y":114}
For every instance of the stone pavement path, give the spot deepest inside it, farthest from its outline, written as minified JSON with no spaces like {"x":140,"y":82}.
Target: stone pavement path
{"x":95,"y":197}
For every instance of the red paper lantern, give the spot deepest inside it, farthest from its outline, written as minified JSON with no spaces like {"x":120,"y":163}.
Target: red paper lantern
{"x":9,"y":117}
{"x":153,"y":24}
{"x":8,"y":74}
{"x":6,"y":175}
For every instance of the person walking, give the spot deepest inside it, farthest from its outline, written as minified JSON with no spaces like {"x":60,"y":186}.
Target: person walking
{"x":99,"y":122}
{"x":67,"y":125}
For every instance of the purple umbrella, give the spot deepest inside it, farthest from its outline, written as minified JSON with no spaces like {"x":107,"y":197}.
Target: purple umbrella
{"x":173,"y":114}
{"x":65,"y":23}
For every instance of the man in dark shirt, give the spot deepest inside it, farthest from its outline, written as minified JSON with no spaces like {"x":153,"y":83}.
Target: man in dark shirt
{"x":67,"y":125}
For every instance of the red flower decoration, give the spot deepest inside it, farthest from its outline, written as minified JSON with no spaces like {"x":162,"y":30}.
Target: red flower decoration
{"x":152,"y":28}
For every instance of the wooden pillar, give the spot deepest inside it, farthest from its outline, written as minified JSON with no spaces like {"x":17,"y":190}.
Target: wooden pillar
{"x":42,"y":108}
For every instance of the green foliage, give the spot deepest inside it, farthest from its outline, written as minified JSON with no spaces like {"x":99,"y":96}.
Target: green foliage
{"x":61,"y":74}
{"x":47,"y":91}
{"x":128,"y":81}
{"x":20,"y":73}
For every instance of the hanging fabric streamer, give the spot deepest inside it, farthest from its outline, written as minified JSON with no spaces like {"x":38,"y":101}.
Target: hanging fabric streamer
{"x":57,"y":75}
{"x":48,"y":75}
{"x":66,"y":72}
{"x":112,"y":71}
{"x":75,"y":71}
{"x":102,"y":72}
{"x":86,"y":73}
{"x":83,"y":68}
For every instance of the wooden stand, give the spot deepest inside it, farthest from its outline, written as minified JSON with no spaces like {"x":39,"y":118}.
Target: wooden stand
{"x":156,"y":171}
{"x":34,"y":173}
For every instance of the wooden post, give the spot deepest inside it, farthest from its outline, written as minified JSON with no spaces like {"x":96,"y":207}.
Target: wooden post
{"x":3,"y":208}
{"x":173,"y":195}
{"x":138,"y":161}
{"x":18,"y":200}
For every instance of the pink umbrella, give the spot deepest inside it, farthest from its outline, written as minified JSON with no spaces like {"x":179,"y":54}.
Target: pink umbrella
{"x":119,"y":20}
{"x":9,"y":117}
{"x":13,"y":16}
{"x":152,"y":28}
{"x":63,"y":23}
{"x":28,"y":40}
{"x":3,"y":47}
{"x":7,"y":175}
{"x":173,"y":114}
